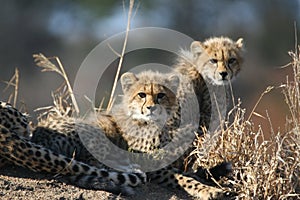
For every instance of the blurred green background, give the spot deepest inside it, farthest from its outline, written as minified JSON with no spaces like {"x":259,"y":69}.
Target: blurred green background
{"x":70,"y":29}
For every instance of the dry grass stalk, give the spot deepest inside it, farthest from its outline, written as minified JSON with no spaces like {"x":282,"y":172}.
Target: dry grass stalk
{"x":121,"y":56}
{"x":62,"y":106}
{"x":14,"y":82}
{"x":48,"y":66}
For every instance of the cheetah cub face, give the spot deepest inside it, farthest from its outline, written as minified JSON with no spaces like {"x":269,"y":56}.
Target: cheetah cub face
{"x":149,"y":96}
{"x":218,"y":59}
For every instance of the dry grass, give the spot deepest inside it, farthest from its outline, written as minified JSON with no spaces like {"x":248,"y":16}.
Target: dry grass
{"x":66,"y":89}
{"x":64,"y":102}
{"x":262,"y":169}
{"x":14,"y":83}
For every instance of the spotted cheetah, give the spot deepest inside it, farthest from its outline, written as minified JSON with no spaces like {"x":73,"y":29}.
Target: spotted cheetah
{"x":158,"y":95}
{"x":18,"y":149}
{"x":211,"y":65}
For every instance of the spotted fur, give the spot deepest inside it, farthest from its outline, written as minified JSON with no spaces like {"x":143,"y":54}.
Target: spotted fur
{"x":17,"y":149}
{"x":210,"y":66}
{"x":149,"y":134}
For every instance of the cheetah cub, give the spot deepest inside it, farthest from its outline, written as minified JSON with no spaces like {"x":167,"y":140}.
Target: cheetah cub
{"x":52,"y":151}
{"x":210,"y":66}
{"x":149,"y":118}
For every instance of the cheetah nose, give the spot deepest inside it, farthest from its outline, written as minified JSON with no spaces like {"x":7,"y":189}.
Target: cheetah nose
{"x":151,"y":108}
{"x":223,"y":74}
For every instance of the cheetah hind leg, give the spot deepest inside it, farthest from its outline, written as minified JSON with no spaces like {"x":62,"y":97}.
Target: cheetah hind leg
{"x":22,"y":152}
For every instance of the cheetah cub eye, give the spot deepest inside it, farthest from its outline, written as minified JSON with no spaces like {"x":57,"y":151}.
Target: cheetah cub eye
{"x":213,"y":61}
{"x":231,"y":61}
{"x":142,"y":95}
{"x":160,"y":96}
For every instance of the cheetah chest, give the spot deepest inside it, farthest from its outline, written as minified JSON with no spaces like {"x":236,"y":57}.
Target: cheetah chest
{"x":146,"y":137}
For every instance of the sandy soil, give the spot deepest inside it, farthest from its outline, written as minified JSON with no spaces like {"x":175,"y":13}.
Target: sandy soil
{"x":20,"y":183}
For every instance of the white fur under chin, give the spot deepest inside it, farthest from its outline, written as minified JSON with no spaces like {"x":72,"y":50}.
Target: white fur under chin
{"x":158,"y":118}
{"x":219,"y":82}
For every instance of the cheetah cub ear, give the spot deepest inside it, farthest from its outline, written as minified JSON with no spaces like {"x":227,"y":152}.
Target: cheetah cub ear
{"x":239,"y":43}
{"x":127,"y":80}
{"x":173,"y":83}
{"x":197,"y":48}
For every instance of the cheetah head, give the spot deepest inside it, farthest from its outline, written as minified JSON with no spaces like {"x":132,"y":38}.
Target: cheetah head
{"x":149,"y":96}
{"x":218,"y":59}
